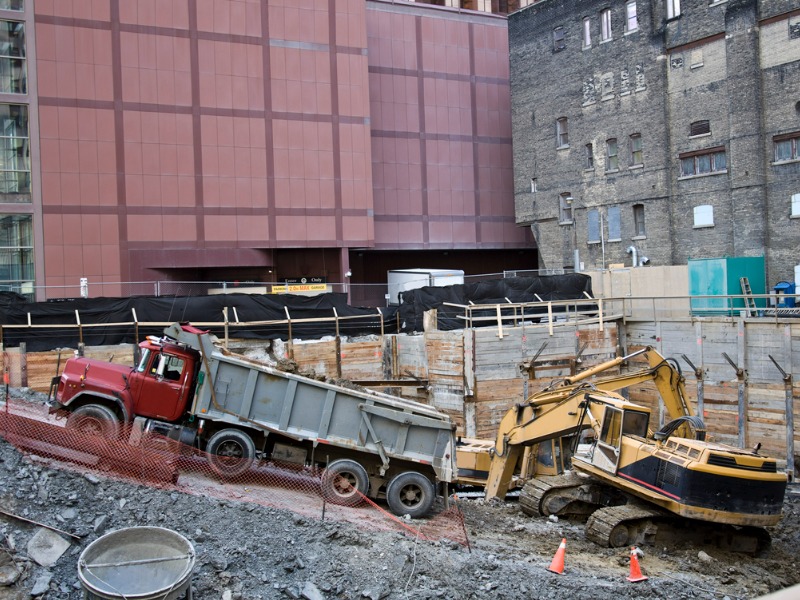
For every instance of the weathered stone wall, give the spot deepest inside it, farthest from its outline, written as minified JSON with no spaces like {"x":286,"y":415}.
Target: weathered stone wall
{"x":733,"y":63}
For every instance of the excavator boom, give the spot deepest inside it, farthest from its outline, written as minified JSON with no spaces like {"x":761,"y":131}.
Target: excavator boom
{"x":560,"y":410}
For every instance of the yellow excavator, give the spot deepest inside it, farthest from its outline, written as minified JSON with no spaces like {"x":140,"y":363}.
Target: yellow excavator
{"x":628,"y":479}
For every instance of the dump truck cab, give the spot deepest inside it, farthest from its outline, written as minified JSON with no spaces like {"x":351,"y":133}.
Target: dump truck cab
{"x":160,"y":386}
{"x":163,"y":381}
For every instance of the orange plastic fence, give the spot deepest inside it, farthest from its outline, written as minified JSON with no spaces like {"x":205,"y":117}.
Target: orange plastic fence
{"x":158,"y":462}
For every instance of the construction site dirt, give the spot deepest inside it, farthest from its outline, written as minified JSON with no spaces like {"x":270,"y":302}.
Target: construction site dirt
{"x":251,"y":544}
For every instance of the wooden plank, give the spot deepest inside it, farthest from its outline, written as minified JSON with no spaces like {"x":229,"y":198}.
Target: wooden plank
{"x":493,"y":400}
{"x":319,"y":357}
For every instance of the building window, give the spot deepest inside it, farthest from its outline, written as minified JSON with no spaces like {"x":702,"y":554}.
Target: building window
{"x":787,"y":147}
{"x":638,"y":221}
{"x":613,"y":224}
{"x":13,"y":69}
{"x":15,"y":156}
{"x":796,"y":205}
{"x":589,"y":156}
{"x":704,"y":216}
{"x":558,"y":39}
{"x":605,"y":25}
{"x":612,"y":158}
{"x":631,"y":20}
{"x":699,"y":128}
{"x":533,"y":185}
{"x":637,"y":154}
{"x":704,"y":162}
{"x":592,"y":225}
{"x":565,"y":208}
{"x":562,"y":133}
{"x":673,"y":8}
{"x":18,"y":5}
{"x":587,"y":32}
{"x":16,"y":254}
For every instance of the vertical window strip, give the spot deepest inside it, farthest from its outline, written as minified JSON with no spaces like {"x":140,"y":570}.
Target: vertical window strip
{"x":614,"y":227}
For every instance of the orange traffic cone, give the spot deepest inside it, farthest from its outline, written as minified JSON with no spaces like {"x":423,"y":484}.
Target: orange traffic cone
{"x":636,"y":572}
{"x":557,"y":566}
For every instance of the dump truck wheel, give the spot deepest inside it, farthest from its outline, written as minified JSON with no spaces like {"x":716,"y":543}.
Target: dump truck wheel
{"x":230,"y":452}
{"x":95,"y":419}
{"x":411,"y":494}
{"x":345,"y":482}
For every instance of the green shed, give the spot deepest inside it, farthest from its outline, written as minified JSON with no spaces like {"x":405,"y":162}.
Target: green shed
{"x":724,"y":277}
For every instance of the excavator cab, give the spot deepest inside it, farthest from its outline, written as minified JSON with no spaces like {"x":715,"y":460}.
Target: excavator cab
{"x":615,"y":423}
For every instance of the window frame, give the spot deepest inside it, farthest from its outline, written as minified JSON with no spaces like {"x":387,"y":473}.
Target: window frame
{"x":17,"y":254}
{"x":606,"y":31}
{"x":612,"y":159}
{"x":700,"y":167}
{"x":586,"y":33}
{"x":589,"y":157}
{"x":10,"y":5}
{"x":15,"y":152}
{"x":9,"y":63}
{"x":566,"y":214}
{"x":795,"y":206}
{"x":562,"y":132}
{"x":629,"y":17}
{"x":639,"y":224}
{"x":636,"y":146}
{"x":793,"y":141}
{"x":673,"y":9}
{"x":559,"y":39}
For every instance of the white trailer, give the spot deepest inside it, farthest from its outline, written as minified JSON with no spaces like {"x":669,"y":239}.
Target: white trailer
{"x":402,"y":280}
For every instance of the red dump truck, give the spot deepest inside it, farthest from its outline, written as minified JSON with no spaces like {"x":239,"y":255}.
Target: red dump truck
{"x":189,"y":389}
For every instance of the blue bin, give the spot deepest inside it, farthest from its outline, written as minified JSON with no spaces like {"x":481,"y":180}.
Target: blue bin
{"x":782,"y":289}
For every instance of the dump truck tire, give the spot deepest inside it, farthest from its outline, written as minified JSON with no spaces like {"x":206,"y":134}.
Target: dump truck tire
{"x":95,"y":419}
{"x":411,"y":494}
{"x":230,"y":453}
{"x":345,"y":482}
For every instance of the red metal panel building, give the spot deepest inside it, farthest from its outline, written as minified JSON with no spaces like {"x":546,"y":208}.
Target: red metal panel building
{"x":221,"y":140}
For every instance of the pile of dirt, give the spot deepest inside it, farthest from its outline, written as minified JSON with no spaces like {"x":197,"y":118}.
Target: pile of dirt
{"x":248,"y":551}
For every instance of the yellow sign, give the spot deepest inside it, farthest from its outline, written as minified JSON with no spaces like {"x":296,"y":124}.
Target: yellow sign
{"x":309,"y":287}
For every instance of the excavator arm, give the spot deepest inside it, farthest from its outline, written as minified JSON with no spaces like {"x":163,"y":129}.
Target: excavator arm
{"x":562,"y":409}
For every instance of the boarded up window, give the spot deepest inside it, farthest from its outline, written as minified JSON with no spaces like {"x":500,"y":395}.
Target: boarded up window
{"x":700,"y":128}
{"x":593,"y":225}
{"x":613,"y":223}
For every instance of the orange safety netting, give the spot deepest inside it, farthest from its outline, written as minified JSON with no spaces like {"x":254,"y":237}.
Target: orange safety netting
{"x":159,"y":462}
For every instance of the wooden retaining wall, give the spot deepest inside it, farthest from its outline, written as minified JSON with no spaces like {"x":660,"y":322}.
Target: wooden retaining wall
{"x":744,"y":403}
{"x":476,"y":375}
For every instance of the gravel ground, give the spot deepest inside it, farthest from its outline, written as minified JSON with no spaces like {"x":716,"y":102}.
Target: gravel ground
{"x":249,"y":551}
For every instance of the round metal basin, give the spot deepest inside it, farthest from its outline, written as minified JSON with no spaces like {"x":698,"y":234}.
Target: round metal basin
{"x":138,"y":562}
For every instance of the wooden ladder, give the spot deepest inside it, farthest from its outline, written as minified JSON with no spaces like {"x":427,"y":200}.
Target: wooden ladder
{"x":747,"y":292}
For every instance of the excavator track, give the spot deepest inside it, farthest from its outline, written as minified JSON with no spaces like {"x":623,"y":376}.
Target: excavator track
{"x":561,"y":495}
{"x":618,"y":526}
{"x":633,"y":524}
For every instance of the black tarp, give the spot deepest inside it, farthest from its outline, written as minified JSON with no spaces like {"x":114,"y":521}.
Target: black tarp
{"x":196,"y":309}
{"x":414,"y":303}
{"x":118,"y":313}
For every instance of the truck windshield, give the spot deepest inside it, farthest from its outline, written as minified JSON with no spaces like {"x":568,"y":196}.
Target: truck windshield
{"x":142,"y":367}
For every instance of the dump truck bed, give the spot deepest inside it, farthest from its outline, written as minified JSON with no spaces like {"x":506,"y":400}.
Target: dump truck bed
{"x":237,"y":390}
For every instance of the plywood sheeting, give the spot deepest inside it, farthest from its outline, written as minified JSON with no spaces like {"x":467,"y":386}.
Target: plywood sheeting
{"x":409,"y":356}
{"x":362,"y":360}
{"x":319,"y":357}
{"x":494,"y":398}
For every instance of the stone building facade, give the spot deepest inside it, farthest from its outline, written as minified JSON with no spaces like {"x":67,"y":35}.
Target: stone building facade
{"x":657,"y":131}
